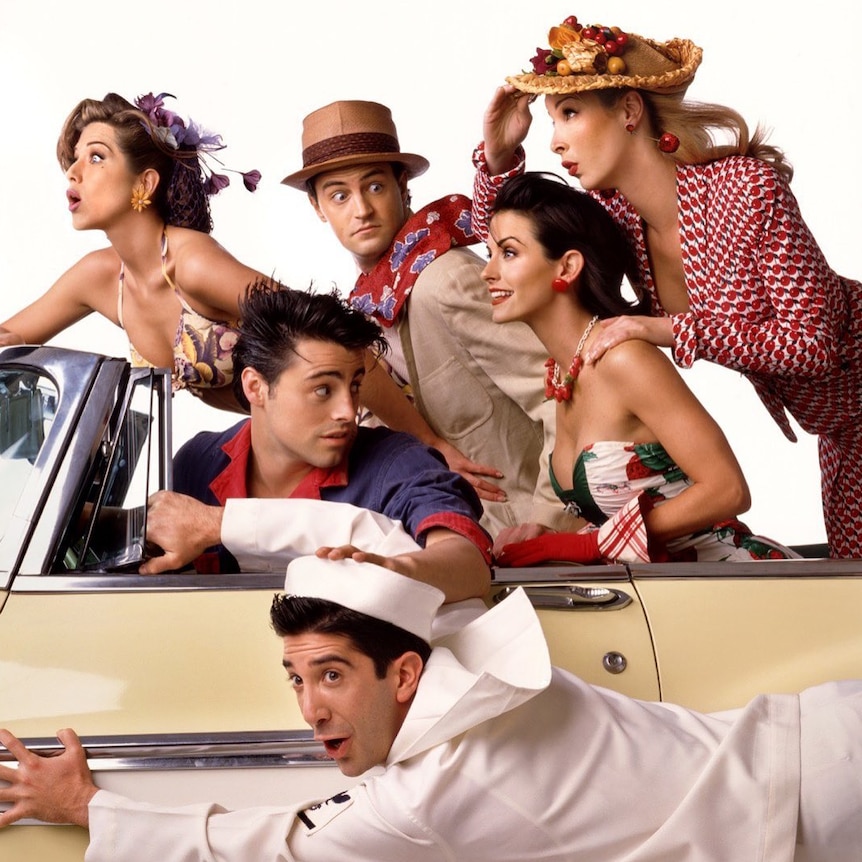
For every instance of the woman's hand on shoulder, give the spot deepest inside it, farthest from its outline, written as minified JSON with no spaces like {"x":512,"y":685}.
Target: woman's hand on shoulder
{"x":616,"y":330}
{"x":472,"y":471}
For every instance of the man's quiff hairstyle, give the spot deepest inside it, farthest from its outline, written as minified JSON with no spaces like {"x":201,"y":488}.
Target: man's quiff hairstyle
{"x":273,"y":318}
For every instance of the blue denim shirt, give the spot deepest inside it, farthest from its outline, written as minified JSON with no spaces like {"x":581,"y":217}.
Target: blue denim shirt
{"x":386,"y":471}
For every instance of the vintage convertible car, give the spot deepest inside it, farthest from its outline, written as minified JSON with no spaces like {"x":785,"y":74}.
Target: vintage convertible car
{"x":175,"y":682}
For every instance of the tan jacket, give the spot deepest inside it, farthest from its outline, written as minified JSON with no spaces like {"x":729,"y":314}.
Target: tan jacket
{"x":480,"y":386}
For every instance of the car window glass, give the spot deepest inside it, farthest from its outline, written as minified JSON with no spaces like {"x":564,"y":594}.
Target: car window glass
{"x":28,"y":403}
{"x":109,"y":533}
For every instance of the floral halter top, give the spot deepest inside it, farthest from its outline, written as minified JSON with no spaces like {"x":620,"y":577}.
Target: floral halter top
{"x":202,"y":347}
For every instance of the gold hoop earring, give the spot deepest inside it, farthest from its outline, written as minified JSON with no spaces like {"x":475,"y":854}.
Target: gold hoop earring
{"x":140,"y":199}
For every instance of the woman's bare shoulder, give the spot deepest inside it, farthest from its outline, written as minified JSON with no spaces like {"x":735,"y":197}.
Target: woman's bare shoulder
{"x":634,"y":356}
{"x":96,"y":271}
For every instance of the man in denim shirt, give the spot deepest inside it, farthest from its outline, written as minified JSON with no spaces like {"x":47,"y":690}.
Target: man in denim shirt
{"x":299,"y":362}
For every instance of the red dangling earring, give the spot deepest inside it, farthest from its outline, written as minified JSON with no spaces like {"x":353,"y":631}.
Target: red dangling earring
{"x":630,"y":128}
{"x":668,"y":143}
{"x":560,"y":285}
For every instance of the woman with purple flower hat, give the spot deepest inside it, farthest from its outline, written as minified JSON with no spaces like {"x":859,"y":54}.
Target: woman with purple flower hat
{"x":139,"y":173}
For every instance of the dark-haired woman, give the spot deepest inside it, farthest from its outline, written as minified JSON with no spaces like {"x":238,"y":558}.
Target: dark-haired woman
{"x":636,"y":454}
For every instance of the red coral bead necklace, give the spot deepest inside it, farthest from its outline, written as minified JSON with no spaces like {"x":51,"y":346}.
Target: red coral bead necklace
{"x":562,"y":389}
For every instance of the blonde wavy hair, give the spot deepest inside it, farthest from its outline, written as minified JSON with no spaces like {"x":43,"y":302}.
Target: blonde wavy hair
{"x":700,"y":127}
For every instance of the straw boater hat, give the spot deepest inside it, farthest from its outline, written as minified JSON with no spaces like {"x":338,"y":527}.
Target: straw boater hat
{"x":367,"y":588}
{"x":350,"y":133}
{"x":659,"y":67}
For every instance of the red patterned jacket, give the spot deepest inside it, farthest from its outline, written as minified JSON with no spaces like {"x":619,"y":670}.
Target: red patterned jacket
{"x":763,"y":299}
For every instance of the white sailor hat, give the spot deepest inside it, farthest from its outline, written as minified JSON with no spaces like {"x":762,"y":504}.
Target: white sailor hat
{"x":367,"y":588}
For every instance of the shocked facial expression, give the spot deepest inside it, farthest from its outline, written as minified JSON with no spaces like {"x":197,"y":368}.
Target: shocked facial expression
{"x":365,"y":205}
{"x":355,"y":714}
{"x":307,"y":416}
{"x":518,"y":274}
{"x":589,"y":138}
{"x":100,"y":180}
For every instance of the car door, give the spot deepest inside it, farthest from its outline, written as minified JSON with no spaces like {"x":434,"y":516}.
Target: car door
{"x":725,"y":632}
{"x":174,"y":682}
{"x":594,"y":622}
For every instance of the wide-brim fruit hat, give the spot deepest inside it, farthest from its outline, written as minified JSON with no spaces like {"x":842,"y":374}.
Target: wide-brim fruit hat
{"x":348,"y":133}
{"x":599,"y":58}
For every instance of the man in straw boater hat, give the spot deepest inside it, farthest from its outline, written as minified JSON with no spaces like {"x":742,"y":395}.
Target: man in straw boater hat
{"x":479,"y":749}
{"x":478,"y":387}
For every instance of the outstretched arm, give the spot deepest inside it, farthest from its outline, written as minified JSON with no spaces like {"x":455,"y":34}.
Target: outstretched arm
{"x":55,"y":789}
{"x":264,"y":534}
{"x":615,"y":330}
{"x":448,"y":561}
{"x":212,"y":280}
{"x":90,"y":285}
{"x":381,"y":395}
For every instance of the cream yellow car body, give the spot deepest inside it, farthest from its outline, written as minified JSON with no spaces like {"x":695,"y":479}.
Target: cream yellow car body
{"x":175,"y":682}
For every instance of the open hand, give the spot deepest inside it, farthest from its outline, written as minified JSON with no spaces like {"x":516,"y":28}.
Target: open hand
{"x":615,"y":330}
{"x":472,"y":472}
{"x":55,"y":788}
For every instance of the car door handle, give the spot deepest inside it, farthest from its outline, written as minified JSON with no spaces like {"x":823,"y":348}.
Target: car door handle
{"x":572,"y":598}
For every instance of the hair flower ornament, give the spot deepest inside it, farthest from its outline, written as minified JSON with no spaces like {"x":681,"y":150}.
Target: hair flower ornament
{"x":175,"y":134}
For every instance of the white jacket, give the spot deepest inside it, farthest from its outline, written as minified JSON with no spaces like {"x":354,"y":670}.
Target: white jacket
{"x":503,"y":757}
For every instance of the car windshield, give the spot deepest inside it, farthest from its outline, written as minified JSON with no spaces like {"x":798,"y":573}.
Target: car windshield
{"x":28,"y":402}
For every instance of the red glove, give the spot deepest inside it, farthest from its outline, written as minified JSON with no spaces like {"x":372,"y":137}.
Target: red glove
{"x":563,"y":547}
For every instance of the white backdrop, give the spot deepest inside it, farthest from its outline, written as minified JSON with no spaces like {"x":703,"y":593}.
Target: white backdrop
{"x":252,"y":70}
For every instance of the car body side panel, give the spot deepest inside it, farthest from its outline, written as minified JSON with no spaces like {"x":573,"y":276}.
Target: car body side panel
{"x":180,"y":661}
{"x":582,"y":635}
{"x":177,"y":662}
{"x":43,"y":844}
{"x":722,"y":640}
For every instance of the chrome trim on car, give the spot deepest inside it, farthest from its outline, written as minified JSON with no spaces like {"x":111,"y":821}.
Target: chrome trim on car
{"x":570,"y":597}
{"x":255,"y":749}
{"x":559,"y":572}
{"x":134,"y":583}
{"x":757,"y":569}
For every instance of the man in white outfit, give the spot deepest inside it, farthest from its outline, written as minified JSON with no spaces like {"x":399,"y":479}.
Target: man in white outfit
{"x":478,"y":749}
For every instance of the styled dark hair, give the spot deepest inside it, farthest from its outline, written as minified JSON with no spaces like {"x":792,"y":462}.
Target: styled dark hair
{"x":274,"y":317}
{"x":565,"y":219}
{"x":180,"y":196}
{"x":381,"y":641}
